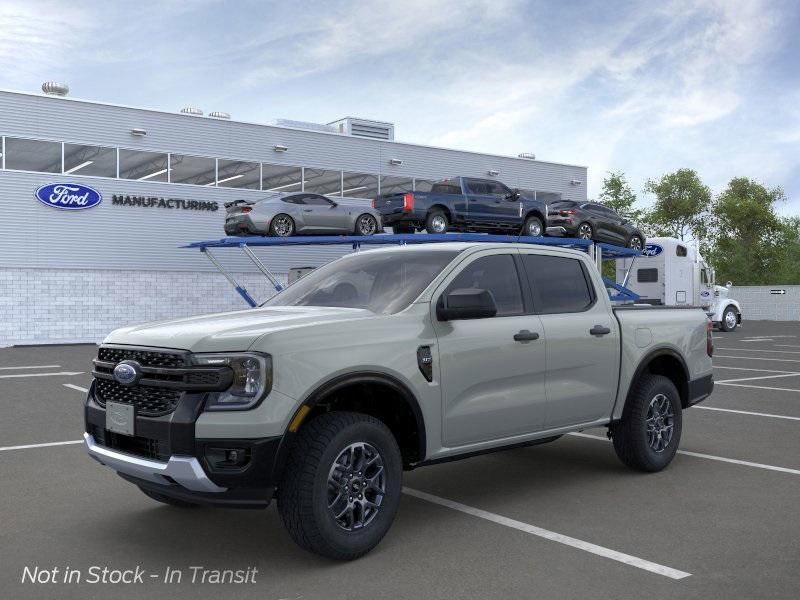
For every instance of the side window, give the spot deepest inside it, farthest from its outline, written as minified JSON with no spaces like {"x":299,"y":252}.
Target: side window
{"x":498,"y":189}
{"x":647,"y":275}
{"x":294,"y":199}
{"x":560,"y":285}
{"x":477,"y":187}
{"x":680,"y":250}
{"x":315,"y":200}
{"x":498,"y":275}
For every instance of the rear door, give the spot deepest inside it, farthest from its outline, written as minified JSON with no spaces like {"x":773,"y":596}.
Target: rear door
{"x":493,"y":386}
{"x":480,"y":202}
{"x":583,"y":340}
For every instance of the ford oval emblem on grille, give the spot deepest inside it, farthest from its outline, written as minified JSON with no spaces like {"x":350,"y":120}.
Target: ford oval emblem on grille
{"x":127,"y":373}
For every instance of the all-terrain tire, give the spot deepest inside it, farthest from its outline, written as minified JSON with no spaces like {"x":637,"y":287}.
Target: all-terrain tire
{"x":303,"y":494}
{"x":633,"y":445}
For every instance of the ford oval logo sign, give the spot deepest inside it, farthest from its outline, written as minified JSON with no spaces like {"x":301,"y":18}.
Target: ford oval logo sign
{"x":127,"y":373}
{"x":652,"y":250}
{"x":68,"y":196}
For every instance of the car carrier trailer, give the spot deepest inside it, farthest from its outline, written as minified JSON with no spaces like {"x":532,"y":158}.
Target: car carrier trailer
{"x":598,"y":251}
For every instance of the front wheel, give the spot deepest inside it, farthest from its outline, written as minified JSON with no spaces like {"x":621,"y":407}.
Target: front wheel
{"x":647,"y":437}
{"x":342,"y":485}
{"x":366,"y":224}
{"x":533,"y":227}
{"x":635,"y":243}
{"x":729,"y":320}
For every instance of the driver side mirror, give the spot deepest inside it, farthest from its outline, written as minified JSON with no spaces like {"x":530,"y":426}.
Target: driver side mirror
{"x":514,"y":195}
{"x":729,"y":284}
{"x":466,"y":303}
{"x":334,"y":204}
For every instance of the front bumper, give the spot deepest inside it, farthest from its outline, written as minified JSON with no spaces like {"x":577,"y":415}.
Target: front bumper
{"x":185,"y":471}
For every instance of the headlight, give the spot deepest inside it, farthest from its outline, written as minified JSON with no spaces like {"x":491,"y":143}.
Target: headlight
{"x":252,"y":379}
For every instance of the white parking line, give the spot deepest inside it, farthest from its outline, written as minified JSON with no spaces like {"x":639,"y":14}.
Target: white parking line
{"x":758,"y":358}
{"x":734,"y":461}
{"x":627,"y":559}
{"x":752,"y":369}
{"x":31,"y":367}
{"x":787,"y":346}
{"x":16,"y":375}
{"x":84,"y":390}
{"x":48,"y":444}
{"x":747,"y":412}
{"x":758,"y":387}
{"x":759,"y":377}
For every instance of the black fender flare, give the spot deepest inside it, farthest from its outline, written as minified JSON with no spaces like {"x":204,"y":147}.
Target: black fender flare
{"x":339,"y":382}
{"x":645,"y":363}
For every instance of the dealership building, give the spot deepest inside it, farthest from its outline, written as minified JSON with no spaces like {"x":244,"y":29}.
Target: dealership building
{"x":161,"y":180}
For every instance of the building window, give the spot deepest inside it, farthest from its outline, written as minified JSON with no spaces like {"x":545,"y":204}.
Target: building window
{"x":238,"y":174}
{"x":90,"y":160}
{"x":396,"y":185}
{"x":320,"y":181}
{"x":279,"y":178}
{"x":195,"y":170}
{"x":33,"y":155}
{"x":423,"y":185}
{"x":359,"y":185}
{"x":143,"y":166}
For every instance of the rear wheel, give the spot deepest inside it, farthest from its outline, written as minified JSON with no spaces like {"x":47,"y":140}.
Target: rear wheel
{"x":647,"y":437}
{"x":533,"y":227}
{"x":342,"y":485}
{"x":281,"y":226}
{"x":729,"y":319}
{"x":436,"y":221}
{"x":366,"y":224}
{"x":585,"y":231}
{"x":167,"y":500}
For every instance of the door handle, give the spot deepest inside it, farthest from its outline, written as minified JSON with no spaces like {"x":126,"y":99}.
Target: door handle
{"x":308,"y":210}
{"x":526,"y":336}
{"x":599,"y":330}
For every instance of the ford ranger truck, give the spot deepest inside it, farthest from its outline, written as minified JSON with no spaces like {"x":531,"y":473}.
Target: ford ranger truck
{"x":384,"y":361}
{"x":464,"y":204}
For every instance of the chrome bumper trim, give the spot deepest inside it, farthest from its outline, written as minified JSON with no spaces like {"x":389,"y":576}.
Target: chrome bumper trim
{"x":556,"y":230}
{"x":183,"y":470}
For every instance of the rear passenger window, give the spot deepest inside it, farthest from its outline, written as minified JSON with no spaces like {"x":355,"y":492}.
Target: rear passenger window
{"x":647,"y":275}
{"x":498,"y":275}
{"x":560,"y":285}
{"x":446,"y":187}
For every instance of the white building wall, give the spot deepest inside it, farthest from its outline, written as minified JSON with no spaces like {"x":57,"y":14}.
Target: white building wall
{"x":759,"y":303}
{"x":84,"y":305}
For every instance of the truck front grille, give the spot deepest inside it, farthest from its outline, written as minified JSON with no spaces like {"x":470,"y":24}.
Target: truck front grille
{"x":139,"y":446}
{"x":149,"y":401}
{"x":146,"y":358}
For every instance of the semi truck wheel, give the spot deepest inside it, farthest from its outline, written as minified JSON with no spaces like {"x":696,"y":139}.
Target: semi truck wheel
{"x":729,"y":319}
{"x":341,"y":485}
{"x":647,"y":437}
{"x":167,"y":500}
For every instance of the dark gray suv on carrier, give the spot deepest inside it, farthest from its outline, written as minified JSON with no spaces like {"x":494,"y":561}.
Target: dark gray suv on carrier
{"x":593,"y":221}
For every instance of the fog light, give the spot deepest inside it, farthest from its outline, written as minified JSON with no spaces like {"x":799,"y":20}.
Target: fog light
{"x":228,"y":458}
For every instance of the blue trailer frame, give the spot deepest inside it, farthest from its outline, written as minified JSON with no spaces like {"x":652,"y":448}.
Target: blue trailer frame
{"x":598,"y":250}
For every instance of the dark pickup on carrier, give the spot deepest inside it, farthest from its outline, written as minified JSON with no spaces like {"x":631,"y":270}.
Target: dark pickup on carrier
{"x":464,"y":204}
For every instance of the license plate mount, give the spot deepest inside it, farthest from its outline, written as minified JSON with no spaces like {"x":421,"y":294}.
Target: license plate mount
{"x":120,"y":418}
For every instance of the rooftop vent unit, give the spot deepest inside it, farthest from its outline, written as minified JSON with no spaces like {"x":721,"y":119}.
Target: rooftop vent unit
{"x":303,"y":125}
{"x":375,"y":130}
{"x":527,"y":155}
{"x":219,"y":115}
{"x":53,"y":88}
{"x":192,"y":110}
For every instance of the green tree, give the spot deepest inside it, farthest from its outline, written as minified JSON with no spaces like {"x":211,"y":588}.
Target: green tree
{"x":618,"y":195}
{"x":681,"y":205}
{"x":752,"y":245}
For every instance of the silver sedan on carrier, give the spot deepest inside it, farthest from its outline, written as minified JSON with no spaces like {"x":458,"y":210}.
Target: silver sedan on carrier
{"x":301,"y":213}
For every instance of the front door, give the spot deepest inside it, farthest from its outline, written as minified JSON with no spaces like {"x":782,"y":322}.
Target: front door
{"x":583,"y":342}
{"x":493,"y":385}
{"x":322,"y":214}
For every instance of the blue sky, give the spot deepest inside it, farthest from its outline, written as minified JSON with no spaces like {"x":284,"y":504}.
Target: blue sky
{"x":641,"y":87}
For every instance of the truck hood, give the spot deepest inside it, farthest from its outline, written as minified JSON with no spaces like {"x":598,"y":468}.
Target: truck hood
{"x":231,"y":331}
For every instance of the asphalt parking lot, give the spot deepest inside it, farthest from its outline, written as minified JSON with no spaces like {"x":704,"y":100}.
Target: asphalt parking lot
{"x":563,"y":520}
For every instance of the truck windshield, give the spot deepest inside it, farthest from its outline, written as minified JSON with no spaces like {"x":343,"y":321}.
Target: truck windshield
{"x":382,"y":282}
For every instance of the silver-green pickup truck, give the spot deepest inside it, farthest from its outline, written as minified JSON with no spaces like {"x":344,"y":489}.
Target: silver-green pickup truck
{"x":384,"y":361}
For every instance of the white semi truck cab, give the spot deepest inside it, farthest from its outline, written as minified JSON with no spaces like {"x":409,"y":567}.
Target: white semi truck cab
{"x":670,"y":272}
